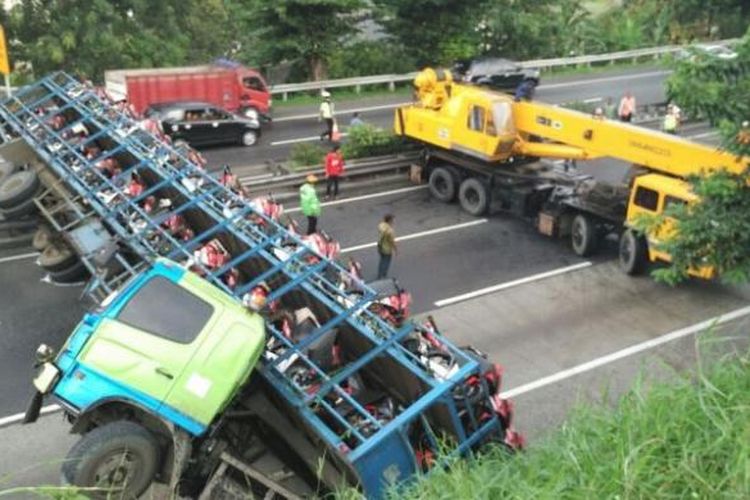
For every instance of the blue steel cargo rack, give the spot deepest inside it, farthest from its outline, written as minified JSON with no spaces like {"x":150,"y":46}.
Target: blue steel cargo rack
{"x":117,"y":237}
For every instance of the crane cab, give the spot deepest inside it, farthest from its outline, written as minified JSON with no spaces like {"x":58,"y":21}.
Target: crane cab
{"x":459,"y":117}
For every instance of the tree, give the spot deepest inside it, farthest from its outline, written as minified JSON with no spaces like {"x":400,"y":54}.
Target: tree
{"x":89,"y":36}
{"x":716,"y":230}
{"x":311,"y":30}
{"x":529,"y":29}
{"x":435,"y":32}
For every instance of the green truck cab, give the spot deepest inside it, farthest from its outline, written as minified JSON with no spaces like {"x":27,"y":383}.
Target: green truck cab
{"x":168,"y":346}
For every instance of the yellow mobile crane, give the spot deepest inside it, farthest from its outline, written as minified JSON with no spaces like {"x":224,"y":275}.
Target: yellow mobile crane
{"x":479,"y":144}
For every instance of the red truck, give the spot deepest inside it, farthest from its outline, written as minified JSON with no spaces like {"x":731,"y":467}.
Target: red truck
{"x":232,"y":87}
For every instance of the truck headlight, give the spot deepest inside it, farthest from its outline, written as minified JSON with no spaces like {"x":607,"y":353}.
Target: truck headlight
{"x":46,"y":378}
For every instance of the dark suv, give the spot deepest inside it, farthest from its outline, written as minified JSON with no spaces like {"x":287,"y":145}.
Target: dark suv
{"x":496,"y":73}
{"x":202,"y":124}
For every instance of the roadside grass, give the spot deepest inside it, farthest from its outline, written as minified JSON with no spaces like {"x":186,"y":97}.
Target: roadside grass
{"x":348,"y":94}
{"x":689,"y":438}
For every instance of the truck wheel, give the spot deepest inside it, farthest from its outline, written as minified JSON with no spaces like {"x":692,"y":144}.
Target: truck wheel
{"x":17,"y":188}
{"x":57,"y":257}
{"x":443,"y":184}
{"x":6,"y":168}
{"x":42,"y":238}
{"x":249,"y":138}
{"x":474,"y":196}
{"x":76,"y":273}
{"x":583,"y":236}
{"x":119,"y":457}
{"x":632,"y":252}
{"x":16,"y":212}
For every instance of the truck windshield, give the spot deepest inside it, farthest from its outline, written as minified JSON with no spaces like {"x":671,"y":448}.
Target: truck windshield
{"x":502,"y":114}
{"x":162,"y":308}
{"x":253,"y":83}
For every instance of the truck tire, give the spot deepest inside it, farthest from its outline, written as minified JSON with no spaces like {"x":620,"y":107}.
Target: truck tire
{"x":249,"y":138}
{"x":76,"y":273}
{"x":122,"y":457}
{"x":17,"y":188}
{"x":6,"y":168}
{"x":16,"y":212}
{"x":42,"y":238}
{"x":474,"y":196}
{"x":632,"y":252}
{"x":583,"y":237}
{"x":443,"y":184}
{"x":57,"y":257}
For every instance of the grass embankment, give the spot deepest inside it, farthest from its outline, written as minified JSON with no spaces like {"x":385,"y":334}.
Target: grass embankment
{"x":689,"y":439}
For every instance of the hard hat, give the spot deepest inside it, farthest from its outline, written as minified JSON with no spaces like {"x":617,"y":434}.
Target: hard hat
{"x":325,"y":93}
{"x":312,"y":179}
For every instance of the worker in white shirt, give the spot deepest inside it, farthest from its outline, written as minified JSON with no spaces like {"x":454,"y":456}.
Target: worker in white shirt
{"x":326,"y":115}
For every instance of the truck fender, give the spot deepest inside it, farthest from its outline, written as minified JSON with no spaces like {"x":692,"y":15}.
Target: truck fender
{"x":175,"y":441}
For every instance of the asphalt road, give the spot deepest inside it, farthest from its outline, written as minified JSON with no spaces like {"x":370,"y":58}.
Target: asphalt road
{"x":300,"y":124}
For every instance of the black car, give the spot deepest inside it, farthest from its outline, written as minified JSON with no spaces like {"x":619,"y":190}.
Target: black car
{"x":496,"y":73}
{"x":202,"y":124}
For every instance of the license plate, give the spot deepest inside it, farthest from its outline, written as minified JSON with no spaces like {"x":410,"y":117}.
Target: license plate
{"x":46,"y":378}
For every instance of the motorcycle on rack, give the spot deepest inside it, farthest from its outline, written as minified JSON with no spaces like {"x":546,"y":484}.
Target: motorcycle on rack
{"x":391,"y":303}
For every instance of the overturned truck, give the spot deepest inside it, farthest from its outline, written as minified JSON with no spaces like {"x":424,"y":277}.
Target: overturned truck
{"x":264,"y":370}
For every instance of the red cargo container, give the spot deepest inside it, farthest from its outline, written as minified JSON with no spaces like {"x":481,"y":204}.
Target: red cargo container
{"x":237,"y":89}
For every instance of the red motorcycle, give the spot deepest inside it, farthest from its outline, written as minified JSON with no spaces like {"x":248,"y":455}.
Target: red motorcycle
{"x":321,"y":243}
{"x":212,"y":256}
{"x":391,"y":302}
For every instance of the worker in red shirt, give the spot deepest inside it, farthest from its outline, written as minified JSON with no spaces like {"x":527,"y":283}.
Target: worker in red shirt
{"x":334,"y":170}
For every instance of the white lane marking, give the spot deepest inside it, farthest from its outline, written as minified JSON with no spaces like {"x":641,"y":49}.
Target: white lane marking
{"x":543,"y":86}
{"x":18,"y":417}
{"x":342,"y":111}
{"x":19,"y":257}
{"x":604,"y":80}
{"x":301,"y":139}
{"x":363,"y":197}
{"x":628,"y":351}
{"x":419,"y":235}
{"x":511,"y":284}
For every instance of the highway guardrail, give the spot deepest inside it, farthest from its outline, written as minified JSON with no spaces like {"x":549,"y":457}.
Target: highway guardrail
{"x":365,"y":167}
{"x":392,"y":79}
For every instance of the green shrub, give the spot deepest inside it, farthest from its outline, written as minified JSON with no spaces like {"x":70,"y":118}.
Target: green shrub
{"x":368,"y":140}
{"x":306,"y":154}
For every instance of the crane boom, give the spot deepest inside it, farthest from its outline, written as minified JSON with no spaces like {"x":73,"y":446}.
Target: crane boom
{"x":596,"y":137}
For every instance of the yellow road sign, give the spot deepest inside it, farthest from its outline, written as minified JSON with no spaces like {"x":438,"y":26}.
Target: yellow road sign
{"x":4,"y":63}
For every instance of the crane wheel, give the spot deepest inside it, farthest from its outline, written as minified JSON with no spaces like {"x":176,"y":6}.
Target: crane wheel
{"x":443,"y":184}
{"x":474,"y":196}
{"x":583,"y":236}
{"x":632,"y":252}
